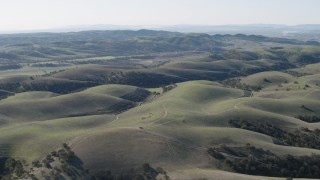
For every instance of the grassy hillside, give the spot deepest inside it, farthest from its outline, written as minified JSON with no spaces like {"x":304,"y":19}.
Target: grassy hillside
{"x":193,"y":104}
{"x":172,"y":131}
{"x":35,"y":106}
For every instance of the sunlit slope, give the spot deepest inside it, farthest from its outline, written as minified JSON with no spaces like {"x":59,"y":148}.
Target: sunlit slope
{"x":196,"y":173}
{"x":112,"y":89}
{"x":268,"y":80}
{"x":289,"y":107}
{"x":179,"y":117}
{"x":33,"y":140}
{"x":34,"y":106}
{"x":173,"y":130}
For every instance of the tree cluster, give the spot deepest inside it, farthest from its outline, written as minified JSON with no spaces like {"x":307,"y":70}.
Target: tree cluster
{"x":145,"y":172}
{"x":168,"y":88}
{"x":257,"y":161}
{"x":280,"y":166}
{"x":302,"y":137}
{"x":236,"y":83}
{"x":309,"y":119}
{"x":11,"y":168}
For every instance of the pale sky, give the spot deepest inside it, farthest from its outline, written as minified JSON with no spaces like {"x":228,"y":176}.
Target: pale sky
{"x":42,"y":14}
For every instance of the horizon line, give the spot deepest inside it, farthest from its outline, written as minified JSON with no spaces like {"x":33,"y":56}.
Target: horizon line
{"x":87,"y":27}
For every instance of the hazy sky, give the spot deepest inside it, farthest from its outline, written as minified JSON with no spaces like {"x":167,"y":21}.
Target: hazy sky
{"x":41,"y":14}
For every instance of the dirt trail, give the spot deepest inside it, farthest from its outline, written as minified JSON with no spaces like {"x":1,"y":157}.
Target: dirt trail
{"x":308,"y":94}
{"x":173,"y":153}
{"x":77,"y":139}
{"x":230,"y":109}
{"x":165,"y":114}
{"x":200,"y":148}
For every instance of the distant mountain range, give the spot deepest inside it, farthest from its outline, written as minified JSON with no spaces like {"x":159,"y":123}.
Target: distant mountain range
{"x":304,"y":32}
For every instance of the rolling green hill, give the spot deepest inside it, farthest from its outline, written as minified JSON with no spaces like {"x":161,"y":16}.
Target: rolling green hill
{"x":191,"y":106}
{"x":173,"y":131}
